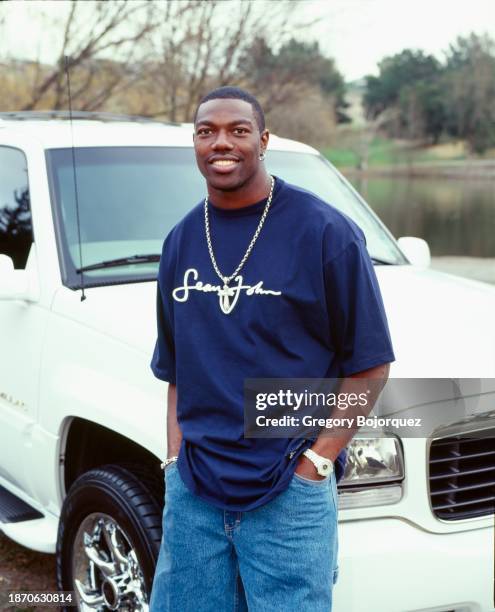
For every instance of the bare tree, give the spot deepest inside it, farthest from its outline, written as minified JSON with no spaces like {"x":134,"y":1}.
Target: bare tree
{"x":114,"y":27}
{"x":158,"y":58}
{"x":309,"y":117}
{"x":181,"y":57}
{"x":202,"y":44}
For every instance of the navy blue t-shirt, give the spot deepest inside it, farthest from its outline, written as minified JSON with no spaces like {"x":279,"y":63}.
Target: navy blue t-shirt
{"x":309,"y":307}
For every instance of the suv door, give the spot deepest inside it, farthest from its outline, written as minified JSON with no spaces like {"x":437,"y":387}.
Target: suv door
{"x":21,"y":325}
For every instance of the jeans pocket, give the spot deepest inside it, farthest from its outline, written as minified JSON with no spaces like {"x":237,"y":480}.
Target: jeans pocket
{"x":310,"y":482}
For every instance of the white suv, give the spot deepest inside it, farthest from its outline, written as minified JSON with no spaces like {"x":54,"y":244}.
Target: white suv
{"x":83,"y":420}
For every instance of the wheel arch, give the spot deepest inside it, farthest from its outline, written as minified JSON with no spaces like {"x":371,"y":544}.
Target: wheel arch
{"x":85,"y":445}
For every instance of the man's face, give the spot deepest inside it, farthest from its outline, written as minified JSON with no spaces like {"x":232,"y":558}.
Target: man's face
{"x":227,"y":142}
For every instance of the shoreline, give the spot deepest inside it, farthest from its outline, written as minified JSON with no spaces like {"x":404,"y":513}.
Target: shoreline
{"x":465,"y":169}
{"x":474,"y":268}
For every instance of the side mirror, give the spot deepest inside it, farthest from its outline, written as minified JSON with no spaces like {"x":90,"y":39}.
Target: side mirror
{"x":416,"y":250}
{"x":14,"y":284}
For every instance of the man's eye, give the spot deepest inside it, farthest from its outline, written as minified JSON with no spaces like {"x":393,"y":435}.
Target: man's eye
{"x":240,"y":130}
{"x":203,"y":131}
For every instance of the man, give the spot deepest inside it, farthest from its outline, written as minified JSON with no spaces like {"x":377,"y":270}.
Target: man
{"x":260,"y":280}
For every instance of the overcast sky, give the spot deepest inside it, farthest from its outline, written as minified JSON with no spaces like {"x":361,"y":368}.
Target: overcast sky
{"x":356,"y":33}
{"x":359,"y":33}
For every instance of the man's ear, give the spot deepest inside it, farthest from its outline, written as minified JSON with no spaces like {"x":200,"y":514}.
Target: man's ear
{"x":264,"y":137}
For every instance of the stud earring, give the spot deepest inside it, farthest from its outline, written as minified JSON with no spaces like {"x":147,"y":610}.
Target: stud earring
{"x":262,"y":155}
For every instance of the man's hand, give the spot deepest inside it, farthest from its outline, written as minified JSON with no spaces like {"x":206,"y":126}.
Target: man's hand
{"x":330,"y":446}
{"x":306,"y":468}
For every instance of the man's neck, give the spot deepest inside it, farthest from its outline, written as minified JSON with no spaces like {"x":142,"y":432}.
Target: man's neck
{"x":251,"y":192}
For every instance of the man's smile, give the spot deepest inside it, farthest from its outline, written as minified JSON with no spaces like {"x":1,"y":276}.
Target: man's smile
{"x":223,"y":164}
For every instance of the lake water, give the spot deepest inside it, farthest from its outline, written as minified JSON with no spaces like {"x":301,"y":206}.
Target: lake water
{"x":455,"y":216}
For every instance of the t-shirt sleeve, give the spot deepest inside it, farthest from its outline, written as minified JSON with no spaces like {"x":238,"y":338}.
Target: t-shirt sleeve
{"x":163,"y":360}
{"x":358,"y":323}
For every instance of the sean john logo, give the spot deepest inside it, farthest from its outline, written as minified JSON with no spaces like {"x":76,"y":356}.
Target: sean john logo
{"x":227,"y":296}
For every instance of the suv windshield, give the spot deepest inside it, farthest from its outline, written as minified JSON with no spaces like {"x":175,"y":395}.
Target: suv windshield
{"x":130,"y":197}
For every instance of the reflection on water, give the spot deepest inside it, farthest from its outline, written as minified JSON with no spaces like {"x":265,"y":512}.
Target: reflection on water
{"x":456,"y":217}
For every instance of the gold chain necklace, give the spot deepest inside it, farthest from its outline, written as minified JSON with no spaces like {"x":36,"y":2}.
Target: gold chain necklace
{"x":228,"y":292}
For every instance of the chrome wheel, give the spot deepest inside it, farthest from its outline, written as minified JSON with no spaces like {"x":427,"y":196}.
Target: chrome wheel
{"x":105,"y":567}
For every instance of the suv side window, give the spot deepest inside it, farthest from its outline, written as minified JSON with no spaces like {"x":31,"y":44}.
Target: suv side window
{"x":16,"y":232}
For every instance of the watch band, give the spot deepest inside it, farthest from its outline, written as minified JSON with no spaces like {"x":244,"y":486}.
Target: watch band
{"x":323,"y":466}
{"x":168,"y":462}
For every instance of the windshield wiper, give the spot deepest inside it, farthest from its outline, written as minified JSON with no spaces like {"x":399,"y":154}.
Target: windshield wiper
{"x":382,"y":262}
{"x":122,"y":261}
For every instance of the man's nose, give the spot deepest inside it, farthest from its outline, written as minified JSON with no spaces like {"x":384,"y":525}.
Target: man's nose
{"x":222,"y":141}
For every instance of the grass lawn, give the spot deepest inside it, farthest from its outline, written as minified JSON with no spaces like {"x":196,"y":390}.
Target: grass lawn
{"x":386,"y":152}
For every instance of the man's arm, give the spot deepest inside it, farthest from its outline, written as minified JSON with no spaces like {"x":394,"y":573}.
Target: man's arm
{"x":174,"y":434}
{"x":330,"y":446}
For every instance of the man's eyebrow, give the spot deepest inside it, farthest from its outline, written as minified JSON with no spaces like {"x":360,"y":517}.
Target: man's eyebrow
{"x":230,"y":124}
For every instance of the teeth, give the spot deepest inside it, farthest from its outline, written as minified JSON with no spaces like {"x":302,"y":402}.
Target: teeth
{"x":224,"y":162}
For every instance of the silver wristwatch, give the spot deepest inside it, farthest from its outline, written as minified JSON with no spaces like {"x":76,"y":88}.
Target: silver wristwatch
{"x":168,"y":462}
{"x":323,"y":466}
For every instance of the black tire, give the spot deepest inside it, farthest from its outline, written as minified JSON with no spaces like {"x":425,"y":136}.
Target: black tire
{"x":116,"y":492}
{"x":152,"y":478}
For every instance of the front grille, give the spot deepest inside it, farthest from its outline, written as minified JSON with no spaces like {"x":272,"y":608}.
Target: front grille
{"x":462,"y":475}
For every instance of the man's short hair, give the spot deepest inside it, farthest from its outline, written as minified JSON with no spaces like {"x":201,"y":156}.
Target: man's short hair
{"x":235,"y":93}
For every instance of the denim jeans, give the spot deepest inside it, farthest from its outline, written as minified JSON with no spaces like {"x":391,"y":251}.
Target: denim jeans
{"x":280,"y":556}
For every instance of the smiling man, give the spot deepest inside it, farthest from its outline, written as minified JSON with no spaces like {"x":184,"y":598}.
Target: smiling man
{"x":262,"y":279}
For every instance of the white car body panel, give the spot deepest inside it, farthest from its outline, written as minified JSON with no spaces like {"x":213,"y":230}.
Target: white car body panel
{"x":387,"y":565}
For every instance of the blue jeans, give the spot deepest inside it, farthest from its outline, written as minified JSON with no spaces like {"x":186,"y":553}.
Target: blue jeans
{"x":281,"y":556}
